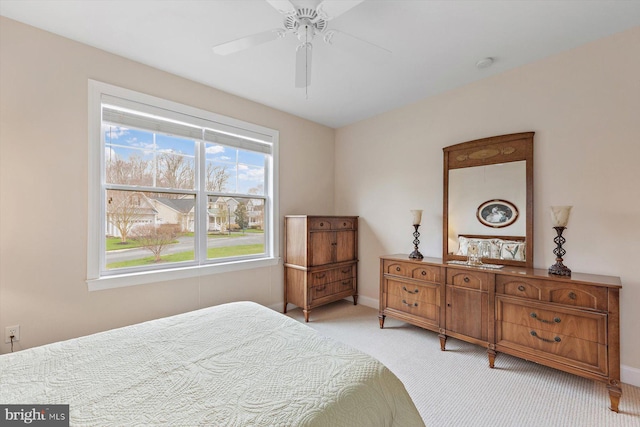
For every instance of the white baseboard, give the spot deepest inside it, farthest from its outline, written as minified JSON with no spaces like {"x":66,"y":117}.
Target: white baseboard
{"x":629,"y":375}
{"x":368,"y":302}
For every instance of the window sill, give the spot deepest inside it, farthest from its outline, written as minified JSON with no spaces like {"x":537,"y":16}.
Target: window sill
{"x":133,"y":279}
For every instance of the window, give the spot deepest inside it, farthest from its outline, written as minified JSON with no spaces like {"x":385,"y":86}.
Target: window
{"x":175,"y":191}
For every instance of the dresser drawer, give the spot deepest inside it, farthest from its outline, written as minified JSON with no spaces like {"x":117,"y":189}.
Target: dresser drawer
{"x":587,"y":326}
{"x":468,"y":279}
{"x":321,"y":291}
{"x":333,"y":288}
{"x":327,"y":276}
{"x":332,"y":224}
{"x":414,"y":306}
{"x":425,"y":293}
{"x":344,"y":285}
{"x":572,"y":294}
{"x":588,"y":355}
{"x":412,"y":270}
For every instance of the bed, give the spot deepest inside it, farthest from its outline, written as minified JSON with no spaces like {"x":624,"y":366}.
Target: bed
{"x":237,"y":364}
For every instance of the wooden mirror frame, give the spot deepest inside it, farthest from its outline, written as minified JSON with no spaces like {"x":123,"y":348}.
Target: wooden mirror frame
{"x":489,"y":151}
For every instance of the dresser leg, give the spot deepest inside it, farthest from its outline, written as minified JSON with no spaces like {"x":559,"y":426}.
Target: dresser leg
{"x":614,"y":395}
{"x":443,"y":341}
{"x":306,"y":315}
{"x":355,"y":300}
{"x":492,"y":357}
{"x":381,"y":320}
{"x":285,"y":308}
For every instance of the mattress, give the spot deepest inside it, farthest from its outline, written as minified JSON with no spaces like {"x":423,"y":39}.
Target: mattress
{"x":237,"y":364}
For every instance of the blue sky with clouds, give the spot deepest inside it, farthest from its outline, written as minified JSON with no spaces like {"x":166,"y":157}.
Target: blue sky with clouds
{"x":245,"y":168}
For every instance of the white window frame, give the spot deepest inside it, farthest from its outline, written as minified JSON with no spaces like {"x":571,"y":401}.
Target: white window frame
{"x":96,"y":209}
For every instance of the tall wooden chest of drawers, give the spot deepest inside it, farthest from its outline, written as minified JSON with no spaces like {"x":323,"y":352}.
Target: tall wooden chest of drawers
{"x":567,"y":323}
{"x":320,"y":260}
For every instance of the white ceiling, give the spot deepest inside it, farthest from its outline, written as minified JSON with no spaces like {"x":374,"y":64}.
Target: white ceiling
{"x":435,"y":44}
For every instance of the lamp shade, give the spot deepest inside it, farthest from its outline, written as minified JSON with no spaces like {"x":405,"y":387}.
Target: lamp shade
{"x":417,"y":216}
{"x":560,"y":215}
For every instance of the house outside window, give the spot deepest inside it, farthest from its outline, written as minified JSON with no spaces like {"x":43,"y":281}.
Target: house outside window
{"x":176,"y":191}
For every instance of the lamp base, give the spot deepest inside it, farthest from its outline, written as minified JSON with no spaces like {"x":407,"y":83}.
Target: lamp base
{"x":559,"y":269}
{"x":416,"y":255}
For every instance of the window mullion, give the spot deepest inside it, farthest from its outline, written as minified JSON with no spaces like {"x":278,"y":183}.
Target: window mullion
{"x":201,"y":204}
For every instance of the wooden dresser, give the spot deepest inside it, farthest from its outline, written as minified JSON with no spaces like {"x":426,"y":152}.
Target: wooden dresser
{"x":567,"y":323}
{"x":320,"y":260}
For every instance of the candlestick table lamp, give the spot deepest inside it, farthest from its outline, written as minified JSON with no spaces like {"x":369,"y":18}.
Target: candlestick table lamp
{"x":417,"y":218}
{"x":559,"y":220}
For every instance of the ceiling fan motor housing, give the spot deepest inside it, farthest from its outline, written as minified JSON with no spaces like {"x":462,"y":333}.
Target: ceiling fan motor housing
{"x":305,"y":23}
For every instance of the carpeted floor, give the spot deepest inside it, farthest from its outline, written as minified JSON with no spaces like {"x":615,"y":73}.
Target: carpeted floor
{"x":457,"y":388}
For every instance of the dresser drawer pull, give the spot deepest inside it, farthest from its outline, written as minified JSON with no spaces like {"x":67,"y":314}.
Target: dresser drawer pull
{"x":521,"y":288}
{"x":556,"y":339}
{"x":321,"y":288}
{"x":404,"y":288}
{"x":555,"y":319}
{"x":347,"y":283}
{"x":346,"y":270}
{"x":415,"y":304}
{"x":397,"y":268}
{"x":572,"y":295}
{"x":424,"y":273}
{"x":321,"y":276}
{"x":466,"y":279}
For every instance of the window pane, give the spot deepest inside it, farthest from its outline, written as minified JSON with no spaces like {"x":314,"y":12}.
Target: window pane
{"x":235,"y":227}
{"x":145,"y":229}
{"x":231,"y":170}
{"x":126,"y":159}
{"x":175,"y":171}
{"x":137,"y":157}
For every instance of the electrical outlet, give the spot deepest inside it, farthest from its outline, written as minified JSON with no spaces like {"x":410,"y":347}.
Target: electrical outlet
{"x":12,"y":330}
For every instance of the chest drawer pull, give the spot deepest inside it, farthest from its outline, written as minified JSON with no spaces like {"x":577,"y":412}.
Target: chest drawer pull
{"x":415,"y":304}
{"x":466,"y":279}
{"x":555,"y":319}
{"x":321,"y":288}
{"x":521,"y":288}
{"x":556,"y":339}
{"x":424,"y":273}
{"x":346,"y":270}
{"x":404,"y":288}
{"x":347,"y":283}
{"x":572,"y":295}
{"x":397,"y":268}
{"x":321,"y":276}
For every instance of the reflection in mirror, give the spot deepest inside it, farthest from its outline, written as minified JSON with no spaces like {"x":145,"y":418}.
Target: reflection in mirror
{"x":499,"y":225}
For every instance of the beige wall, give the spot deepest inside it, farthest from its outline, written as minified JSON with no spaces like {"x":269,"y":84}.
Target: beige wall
{"x":584,"y":106}
{"x":43,"y":189}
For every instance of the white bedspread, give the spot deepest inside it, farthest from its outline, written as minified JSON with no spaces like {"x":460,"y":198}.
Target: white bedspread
{"x":237,"y":364}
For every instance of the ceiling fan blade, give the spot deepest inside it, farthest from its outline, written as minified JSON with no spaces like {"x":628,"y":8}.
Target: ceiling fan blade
{"x":249,"y":41}
{"x":283,"y":6}
{"x":330,"y":9}
{"x":352,"y":43}
{"x":303,"y":65}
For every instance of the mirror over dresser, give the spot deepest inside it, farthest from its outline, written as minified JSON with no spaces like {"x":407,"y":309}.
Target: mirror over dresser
{"x":503,"y":304}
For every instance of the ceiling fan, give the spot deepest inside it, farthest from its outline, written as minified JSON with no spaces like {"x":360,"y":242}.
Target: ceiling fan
{"x":305,"y":19}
